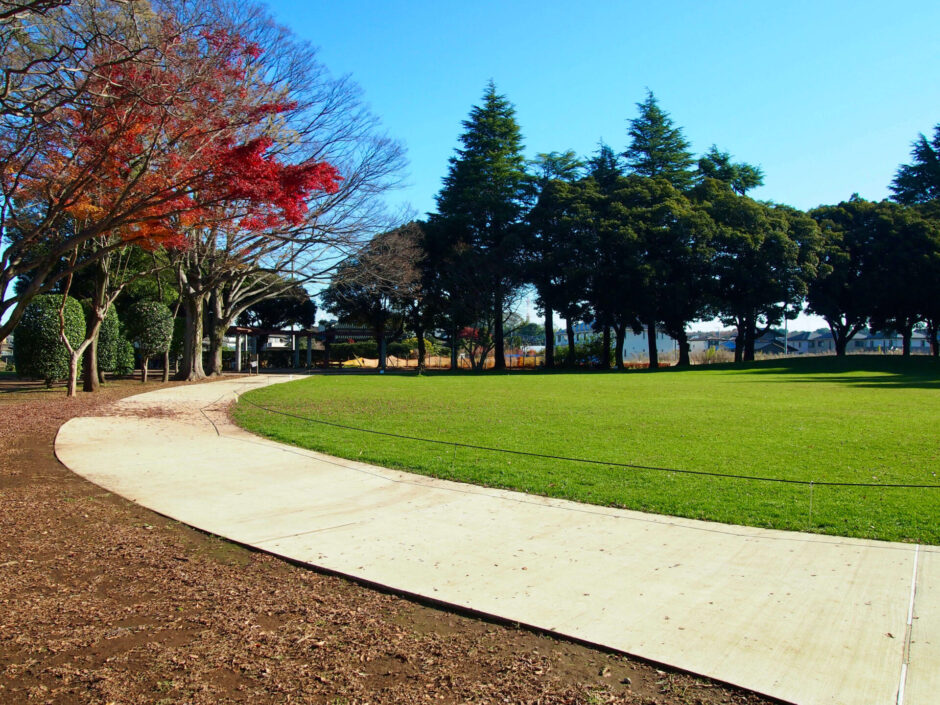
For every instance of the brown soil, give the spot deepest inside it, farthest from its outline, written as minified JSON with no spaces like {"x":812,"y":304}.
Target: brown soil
{"x":102,"y":601}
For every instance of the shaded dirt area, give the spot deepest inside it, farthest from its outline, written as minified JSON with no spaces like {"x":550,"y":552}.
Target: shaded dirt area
{"x":102,"y":601}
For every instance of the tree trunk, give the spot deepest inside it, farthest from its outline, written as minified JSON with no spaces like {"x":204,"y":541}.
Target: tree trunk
{"x":684,"y":357}
{"x":605,"y":346}
{"x":838,"y":337}
{"x":192,"y":369}
{"x":91,"y":376}
{"x":750,"y":335}
{"x":419,"y":332}
{"x":620,"y":333}
{"x":932,"y":329}
{"x":144,"y":364}
{"x":499,"y":346}
{"x":216,"y":344}
{"x":739,"y":341}
{"x":651,"y":343}
{"x":906,"y":340}
{"x":549,"y":338}
{"x":101,"y":377}
{"x":569,"y":332}
{"x":166,"y":367}
{"x":382,"y":354}
{"x":453,"y":350}
{"x":74,"y":358}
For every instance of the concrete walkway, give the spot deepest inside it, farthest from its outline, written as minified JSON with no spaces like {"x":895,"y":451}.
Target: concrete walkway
{"x":807,"y":619}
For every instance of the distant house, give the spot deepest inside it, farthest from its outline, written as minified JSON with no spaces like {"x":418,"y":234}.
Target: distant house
{"x":635,"y":345}
{"x":871,"y":341}
{"x":814,"y":342}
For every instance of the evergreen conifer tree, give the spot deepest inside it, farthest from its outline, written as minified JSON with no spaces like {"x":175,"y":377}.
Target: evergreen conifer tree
{"x":481,"y":206}
{"x":657,"y":148}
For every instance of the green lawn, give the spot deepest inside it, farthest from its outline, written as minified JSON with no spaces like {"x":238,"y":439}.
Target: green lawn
{"x":863,"y":419}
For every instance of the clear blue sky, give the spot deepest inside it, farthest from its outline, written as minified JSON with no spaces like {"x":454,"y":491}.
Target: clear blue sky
{"x":825,"y":96}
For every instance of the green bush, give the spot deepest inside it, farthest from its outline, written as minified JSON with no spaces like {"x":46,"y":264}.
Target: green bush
{"x":124,"y":358}
{"x":39,"y":352}
{"x":109,"y":341}
{"x":150,"y":325}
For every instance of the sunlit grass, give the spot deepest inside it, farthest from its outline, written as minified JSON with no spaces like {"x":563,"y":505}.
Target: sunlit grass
{"x":863,"y":419}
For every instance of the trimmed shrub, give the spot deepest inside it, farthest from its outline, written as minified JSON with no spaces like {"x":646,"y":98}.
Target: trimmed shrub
{"x":39,"y":352}
{"x":109,"y":341}
{"x":124,"y":357}
{"x":150,"y":325}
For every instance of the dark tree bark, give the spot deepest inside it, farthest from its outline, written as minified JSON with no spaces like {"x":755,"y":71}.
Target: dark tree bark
{"x":684,"y":357}
{"x":453,"y":350}
{"x":192,"y":368}
{"x":91,"y":375}
{"x":605,"y":346}
{"x":620,"y":333}
{"x":549,"y":338}
{"x":569,"y":331}
{"x":651,"y":342}
{"x":499,"y":344}
{"x":421,"y":349}
{"x":144,"y":364}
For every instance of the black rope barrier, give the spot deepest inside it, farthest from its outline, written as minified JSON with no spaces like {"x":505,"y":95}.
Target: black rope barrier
{"x":590,"y":461}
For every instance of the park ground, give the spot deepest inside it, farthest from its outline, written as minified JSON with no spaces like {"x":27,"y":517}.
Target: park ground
{"x":102,"y":601}
{"x":858,"y":422}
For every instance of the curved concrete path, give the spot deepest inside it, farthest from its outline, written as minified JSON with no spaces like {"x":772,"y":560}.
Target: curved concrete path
{"x":807,"y":619}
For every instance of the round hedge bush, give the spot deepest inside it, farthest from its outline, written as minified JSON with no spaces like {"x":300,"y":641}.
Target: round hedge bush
{"x":39,"y":352}
{"x":109,"y":340}
{"x":150,"y":325}
{"x":124,"y":357}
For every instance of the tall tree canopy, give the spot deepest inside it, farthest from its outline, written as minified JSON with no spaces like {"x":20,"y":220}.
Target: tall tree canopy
{"x":481,"y":205}
{"x":657,"y":148}
{"x":919,"y":181}
{"x":741,"y":177}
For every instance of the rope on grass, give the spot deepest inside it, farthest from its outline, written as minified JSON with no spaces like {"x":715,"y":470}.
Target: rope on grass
{"x":588,"y":461}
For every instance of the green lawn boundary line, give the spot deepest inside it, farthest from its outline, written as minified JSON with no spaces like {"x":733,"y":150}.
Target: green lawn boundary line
{"x":590,"y":461}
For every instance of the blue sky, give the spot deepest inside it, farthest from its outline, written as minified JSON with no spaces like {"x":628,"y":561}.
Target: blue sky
{"x":825,"y":96}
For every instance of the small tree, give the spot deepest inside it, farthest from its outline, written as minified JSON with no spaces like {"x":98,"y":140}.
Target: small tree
{"x":150,"y":325}
{"x":39,"y":350}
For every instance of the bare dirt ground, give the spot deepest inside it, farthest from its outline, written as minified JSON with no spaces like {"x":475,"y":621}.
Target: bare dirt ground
{"x":102,"y":601}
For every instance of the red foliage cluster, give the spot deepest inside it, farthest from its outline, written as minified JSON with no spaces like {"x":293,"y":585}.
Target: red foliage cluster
{"x":169,"y":138}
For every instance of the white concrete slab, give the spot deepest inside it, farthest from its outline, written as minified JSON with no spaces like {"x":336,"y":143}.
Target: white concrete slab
{"x":804,"y":618}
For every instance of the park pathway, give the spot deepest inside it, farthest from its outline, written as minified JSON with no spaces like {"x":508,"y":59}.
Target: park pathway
{"x":808,"y":619}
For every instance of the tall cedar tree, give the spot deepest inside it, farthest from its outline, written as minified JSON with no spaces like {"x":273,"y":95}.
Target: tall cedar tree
{"x":482,"y":202}
{"x":919,"y":182}
{"x":658,"y":151}
{"x":657,"y":148}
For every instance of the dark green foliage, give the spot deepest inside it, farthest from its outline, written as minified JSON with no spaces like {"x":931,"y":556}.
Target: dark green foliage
{"x":293,"y":307}
{"x":478,"y":226}
{"x":150,"y":325}
{"x":39,"y":351}
{"x":657,"y":148}
{"x":124,"y":361}
{"x":109,"y":340}
{"x":919,"y":182}
{"x":739,"y":176}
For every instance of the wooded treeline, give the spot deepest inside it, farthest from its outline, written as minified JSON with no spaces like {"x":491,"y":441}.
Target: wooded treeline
{"x":649,"y":237}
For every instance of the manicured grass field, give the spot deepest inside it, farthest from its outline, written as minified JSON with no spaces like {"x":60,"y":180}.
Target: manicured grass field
{"x":862,"y":419}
